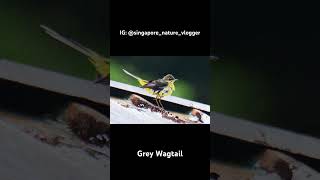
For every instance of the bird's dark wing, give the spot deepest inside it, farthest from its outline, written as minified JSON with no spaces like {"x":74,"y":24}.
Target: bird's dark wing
{"x":156,"y":84}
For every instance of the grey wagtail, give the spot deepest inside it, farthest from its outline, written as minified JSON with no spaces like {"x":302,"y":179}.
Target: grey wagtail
{"x":159,"y":87}
{"x":100,"y":63}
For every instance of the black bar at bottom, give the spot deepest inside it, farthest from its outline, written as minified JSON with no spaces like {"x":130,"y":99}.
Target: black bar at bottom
{"x":132,"y":146}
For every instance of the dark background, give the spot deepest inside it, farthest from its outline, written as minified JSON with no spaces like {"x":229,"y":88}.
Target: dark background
{"x":128,"y":139}
{"x":269,"y":61}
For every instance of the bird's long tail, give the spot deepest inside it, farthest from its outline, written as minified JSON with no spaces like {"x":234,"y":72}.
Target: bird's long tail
{"x":75,"y":45}
{"x":101,"y":63}
{"x":136,"y":77}
{"x":141,"y":81}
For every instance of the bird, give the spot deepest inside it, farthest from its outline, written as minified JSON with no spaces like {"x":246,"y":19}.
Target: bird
{"x":160,"y":87}
{"x":101,"y":63}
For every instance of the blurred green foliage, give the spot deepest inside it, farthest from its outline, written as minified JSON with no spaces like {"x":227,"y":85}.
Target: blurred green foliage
{"x":278,"y":93}
{"x":268,"y":70}
{"x":22,"y":40}
{"x":192,"y":72}
{"x":241,"y":91}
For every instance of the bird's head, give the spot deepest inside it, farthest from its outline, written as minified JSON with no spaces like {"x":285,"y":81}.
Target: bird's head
{"x":169,"y":78}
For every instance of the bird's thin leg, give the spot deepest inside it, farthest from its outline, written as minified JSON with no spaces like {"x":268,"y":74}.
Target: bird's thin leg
{"x":157,"y":101}
{"x":161,"y":104}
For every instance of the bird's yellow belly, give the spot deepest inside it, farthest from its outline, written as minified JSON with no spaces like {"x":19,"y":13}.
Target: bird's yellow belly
{"x":166,"y":92}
